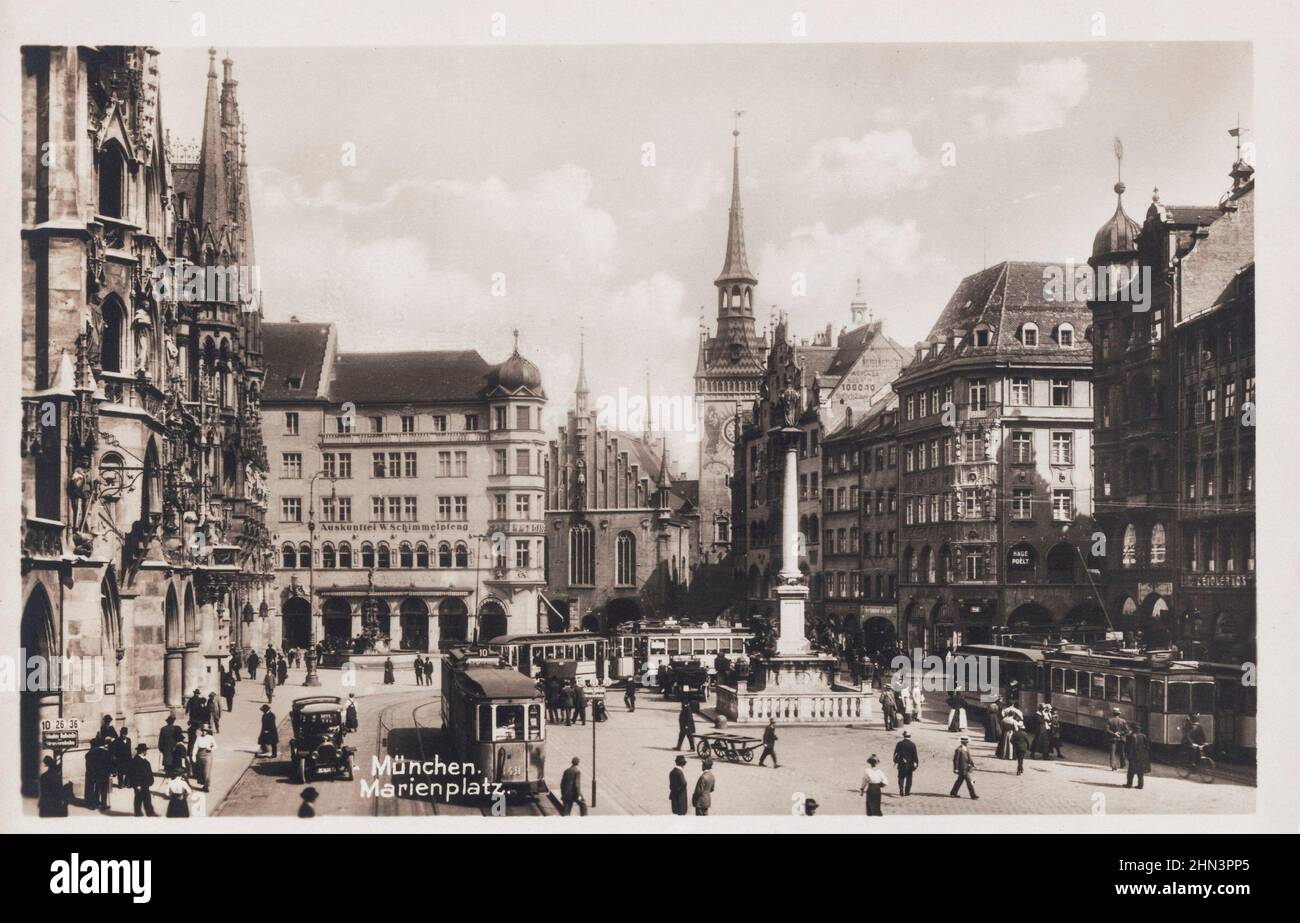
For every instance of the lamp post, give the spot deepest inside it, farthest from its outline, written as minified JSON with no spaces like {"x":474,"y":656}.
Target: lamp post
{"x":313,"y":677}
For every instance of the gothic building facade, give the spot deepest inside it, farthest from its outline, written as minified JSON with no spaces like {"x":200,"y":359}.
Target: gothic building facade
{"x":144,"y":548}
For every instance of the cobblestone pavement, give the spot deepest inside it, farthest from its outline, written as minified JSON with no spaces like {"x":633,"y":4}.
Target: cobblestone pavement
{"x":634,"y":753}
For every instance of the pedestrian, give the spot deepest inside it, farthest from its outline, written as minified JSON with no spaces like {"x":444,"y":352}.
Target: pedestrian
{"x":1034,"y":730}
{"x":106,"y":732}
{"x":269,"y":737}
{"x":571,"y":789}
{"x":389,"y":677}
{"x":168,"y":738}
{"x":99,"y":770}
{"x":204,"y":748}
{"x":1056,"y":731}
{"x":810,"y":807}
{"x":677,"y":786}
{"x":906,"y":759}
{"x":235,"y":664}
{"x":141,"y":778}
{"x":228,"y":690}
{"x":900,"y":707}
{"x":214,"y":712}
{"x":956,"y":711}
{"x":963,"y":764}
{"x":873,"y":784}
{"x":889,"y":709}
{"x":428,"y":671}
{"x":419,"y":670}
{"x":553,"y":705}
{"x":309,"y":795}
{"x":181,"y":758}
{"x":53,"y":800}
{"x":1138,"y":747}
{"x":268,"y":683}
{"x":1010,"y":722}
{"x":918,"y":700}
{"x":580,"y":704}
{"x":178,"y":793}
{"x":253,"y":661}
{"x":196,"y":710}
{"x":1019,"y":747}
{"x":1117,"y":728}
{"x":702,"y":798}
{"x":685,"y":726}
{"x":629,"y":693}
{"x":566,"y":704}
{"x":121,"y":751}
{"x":769,"y":743}
{"x":993,"y":721}
{"x":351,"y":715}
{"x":281,"y":670}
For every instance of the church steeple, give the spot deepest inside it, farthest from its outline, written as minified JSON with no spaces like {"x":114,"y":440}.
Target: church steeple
{"x":581,"y":393}
{"x":736,"y":281}
{"x":213,"y":206}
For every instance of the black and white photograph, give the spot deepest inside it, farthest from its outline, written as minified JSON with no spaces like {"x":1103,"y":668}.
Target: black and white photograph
{"x":648,"y":418}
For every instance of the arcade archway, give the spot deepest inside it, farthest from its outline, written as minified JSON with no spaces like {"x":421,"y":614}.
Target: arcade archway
{"x":453,"y":624}
{"x":37,"y":638}
{"x":295,"y":623}
{"x":336,"y":620}
{"x":492,"y":621}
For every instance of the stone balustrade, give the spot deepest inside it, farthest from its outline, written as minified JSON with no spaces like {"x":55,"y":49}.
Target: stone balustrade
{"x":838,"y":705}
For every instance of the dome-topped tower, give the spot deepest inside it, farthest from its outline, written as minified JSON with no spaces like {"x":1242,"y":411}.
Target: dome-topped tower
{"x":516,"y":374}
{"x":1117,"y":238}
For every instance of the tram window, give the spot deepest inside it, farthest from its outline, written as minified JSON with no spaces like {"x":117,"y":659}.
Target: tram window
{"x":1203,"y":698}
{"x":659,"y":646}
{"x":568,"y":652}
{"x":1098,"y":686}
{"x":698,"y":646}
{"x":1157,"y":694}
{"x":1058,"y":680}
{"x":711,"y":646}
{"x":1071,"y":683}
{"x":1180,"y":699}
{"x":534,"y":722}
{"x":1112,"y":688}
{"x":585,"y":652}
{"x":674,"y":646}
{"x":1227,"y":695}
{"x":510,"y":723}
{"x":1126,"y":687}
{"x":485,"y":722}
{"x":1085,"y":683}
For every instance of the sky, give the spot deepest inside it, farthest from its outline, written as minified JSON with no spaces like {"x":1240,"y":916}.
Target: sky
{"x":443,"y":197}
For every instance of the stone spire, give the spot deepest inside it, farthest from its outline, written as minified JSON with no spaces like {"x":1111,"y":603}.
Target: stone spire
{"x":213,"y":206}
{"x":581,"y":392}
{"x":735,"y":266}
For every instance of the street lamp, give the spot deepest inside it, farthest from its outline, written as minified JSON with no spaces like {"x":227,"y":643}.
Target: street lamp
{"x":313,"y":677}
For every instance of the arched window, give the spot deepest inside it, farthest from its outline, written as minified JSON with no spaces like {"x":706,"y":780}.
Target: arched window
{"x":582,"y":554}
{"x":383,"y":557}
{"x":1029,"y":334}
{"x":304,"y":555}
{"x":112,"y":181}
{"x":1129,"y":550}
{"x":625,"y":561}
{"x":945,"y":566}
{"x":405,"y":556}
{"x":422,"y":555}
{"x":1158,"y":544}
{"x":462,"y":554}
{"x":1065,"y":335}
{"x":113,"y":340}
{"x":927,"y":564}
{"x":345,"y":554}
{"x":444,"y":555}
{"x":909,"y":565}
{"x":327,"y":559}
{"x":367,"y":555}
{"x":288,"y":556}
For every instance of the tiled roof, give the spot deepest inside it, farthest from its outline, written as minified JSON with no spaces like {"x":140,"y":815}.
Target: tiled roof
{"x":409,"y":377}
{"x":293,"y":351}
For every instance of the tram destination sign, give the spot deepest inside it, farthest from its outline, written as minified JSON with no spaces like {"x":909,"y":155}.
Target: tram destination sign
{"x":60,"y":733}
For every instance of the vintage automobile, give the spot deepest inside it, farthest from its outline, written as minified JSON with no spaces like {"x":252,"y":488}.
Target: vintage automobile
{"x":317,"y":747}
{"x":688,"y":681}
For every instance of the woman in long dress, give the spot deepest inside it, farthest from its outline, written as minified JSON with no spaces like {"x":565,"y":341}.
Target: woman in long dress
{"x":918,"y":700}
{"x":204,"y":745}
{"x":389,"y":678}
{"x":178,"y":793}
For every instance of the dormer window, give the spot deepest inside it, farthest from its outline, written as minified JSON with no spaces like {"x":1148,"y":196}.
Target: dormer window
{"x":293,"y":382}
{"x":1065,"y":335}
{"x":1029,"y":334}
{"x":983,"y":336}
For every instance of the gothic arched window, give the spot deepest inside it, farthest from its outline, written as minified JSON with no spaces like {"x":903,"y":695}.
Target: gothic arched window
{"x":582,"y":555}
{"x":288,"y":556}
{"x":112,"y":343}
{"x":625,"y":569}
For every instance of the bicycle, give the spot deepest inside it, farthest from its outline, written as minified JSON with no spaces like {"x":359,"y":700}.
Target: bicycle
{"x":1201,"y":765}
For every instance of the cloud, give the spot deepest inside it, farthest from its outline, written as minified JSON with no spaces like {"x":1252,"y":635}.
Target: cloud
{"x":679,"y":194}
{"x":1038,"y":100}
{"x":877,"y":163}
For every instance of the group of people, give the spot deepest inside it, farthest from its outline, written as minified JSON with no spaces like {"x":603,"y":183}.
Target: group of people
{"x":1037,"y":735}
{"x":423,"y":667}
{"x":567,"y":701}
{"x":901,"y":706}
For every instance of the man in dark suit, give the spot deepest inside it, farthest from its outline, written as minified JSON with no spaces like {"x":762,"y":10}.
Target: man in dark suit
{"x":140,"y":778}
{"x":1138,"y":750}
{"x":52,"y":801}
{"x":677,"y":786}
{"x":629,"y":694}
{"x":270,"y":736}
{"x":962,"y":764}
{"x":906,"y":759}
{"x":1117,"y":728}
{"x":99,"y":769}
{"x":580,"y":704}
{"x":769,"y":743}
{"x":571,"y":790}
{"x":228,"y":689}
{"x":685,"y":726}
{"x":168,"y":738}
{"x":702,"y":798}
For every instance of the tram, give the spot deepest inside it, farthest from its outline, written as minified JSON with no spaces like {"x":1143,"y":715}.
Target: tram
{"x":493,"y":717}
{"x":1021,"y":675}
{"x":526,"y":653}
{"x":1234,"y":707}
{"x":646,"y":646}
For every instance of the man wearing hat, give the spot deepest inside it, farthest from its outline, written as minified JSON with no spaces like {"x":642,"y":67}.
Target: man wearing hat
{"x":906,"y":759}
{"x":1117,"y":728}
{"x":571,"y":790}
{"x":269,"y":737}
{"x":140,"y":777}
{"x":962,"y":764}
{"x":769,"y":743}
{"x":677,"y":786}
{"x":810,"y":807}
{"x":309,"y":795}
{"x":703,"y":795}
{"x":873,"y":783}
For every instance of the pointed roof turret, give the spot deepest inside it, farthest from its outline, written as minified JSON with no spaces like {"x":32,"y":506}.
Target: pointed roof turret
{"x":581,"y":392}
{"x":735,"y":266}
{"x":213,"y":208}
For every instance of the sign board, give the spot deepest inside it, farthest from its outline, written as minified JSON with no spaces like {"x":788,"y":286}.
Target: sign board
{"x":60,"y":733}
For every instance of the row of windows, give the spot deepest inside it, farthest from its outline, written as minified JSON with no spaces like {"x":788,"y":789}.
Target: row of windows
{"x":389,"y":465}
{"x":867,"y":460}
{"x":582,"y":557}
{"x":922,"y":404}
{"x":975,"y":503}
{"x":526,"y":417}
{"x":1201,"y":405}
{"x":382,"y":509}
{"x":856,"y":584}
{"x":406,"y":555}
{"x":973,"y":446}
